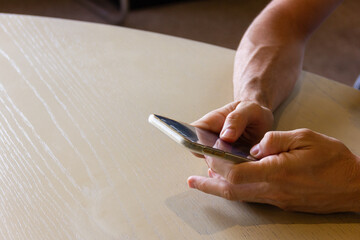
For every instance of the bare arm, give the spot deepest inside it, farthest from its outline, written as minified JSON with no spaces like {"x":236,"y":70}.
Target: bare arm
{"x":298,"y":170}
{"x":269,"y":58}
{"x":267,"y":64}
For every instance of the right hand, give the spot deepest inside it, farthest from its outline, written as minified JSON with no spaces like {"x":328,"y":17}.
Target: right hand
{"x":298,"y":170}
{"x":241,"y":118}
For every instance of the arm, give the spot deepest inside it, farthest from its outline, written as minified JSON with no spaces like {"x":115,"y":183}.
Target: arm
{"x":267,"y":65}
{"x":269,"y":57}
{"x":299,"y":170}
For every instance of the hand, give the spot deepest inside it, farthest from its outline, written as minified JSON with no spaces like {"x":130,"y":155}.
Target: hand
{"x":246,"y":119}
{"x":299,"y":170}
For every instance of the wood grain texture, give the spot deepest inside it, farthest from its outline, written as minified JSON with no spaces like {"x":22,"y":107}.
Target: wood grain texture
{"x":79,"y":160}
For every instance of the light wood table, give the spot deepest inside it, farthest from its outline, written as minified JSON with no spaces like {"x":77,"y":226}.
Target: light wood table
{"x":80,"y":161}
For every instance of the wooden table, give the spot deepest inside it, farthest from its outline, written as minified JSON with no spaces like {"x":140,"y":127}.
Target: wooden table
{"x":80,"y":161}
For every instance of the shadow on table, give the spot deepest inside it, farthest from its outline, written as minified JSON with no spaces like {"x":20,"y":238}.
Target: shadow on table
{"x":208,"y":214}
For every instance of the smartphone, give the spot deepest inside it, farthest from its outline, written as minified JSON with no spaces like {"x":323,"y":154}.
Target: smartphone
{"x":202,"y":141}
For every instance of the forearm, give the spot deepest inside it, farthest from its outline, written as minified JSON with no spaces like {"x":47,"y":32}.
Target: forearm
{"x":269,"y":57}
{"x":290,"y":20}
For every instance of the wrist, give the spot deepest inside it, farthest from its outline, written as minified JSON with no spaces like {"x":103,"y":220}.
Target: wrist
{"x":251,"y":94}
{"x":266,"y":74}
{"x":249,"y":67}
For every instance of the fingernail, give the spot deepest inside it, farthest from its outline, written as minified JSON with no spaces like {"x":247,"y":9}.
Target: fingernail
{"x":191,"y":183}
{"x":255,"y":150}
{"x":228,"y":133}
{"x":210,"y":173}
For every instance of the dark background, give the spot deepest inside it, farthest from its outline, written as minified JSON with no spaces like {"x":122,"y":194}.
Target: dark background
{"x":333,"y":51}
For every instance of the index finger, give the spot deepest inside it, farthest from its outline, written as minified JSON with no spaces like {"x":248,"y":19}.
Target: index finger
{"x":263,"y":170}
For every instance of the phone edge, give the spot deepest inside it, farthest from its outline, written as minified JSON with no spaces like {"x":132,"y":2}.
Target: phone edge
{"x":193,"y":147}
{"x":164,"y":128}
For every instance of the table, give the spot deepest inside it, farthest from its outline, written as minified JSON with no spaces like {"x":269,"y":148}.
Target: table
{"x":80,"y":161}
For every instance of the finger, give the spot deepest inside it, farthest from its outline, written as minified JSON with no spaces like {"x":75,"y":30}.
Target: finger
{"x":245,"y":192}
{"x":212,"y":186}
{"x":247,"y":115}
{"x":213,"y":174}
{"x":280,"y":141}
{"x":264,"y":170}
{"x":219,"y":166}
{"x":234,"y":125}
{"x":214,"y":120}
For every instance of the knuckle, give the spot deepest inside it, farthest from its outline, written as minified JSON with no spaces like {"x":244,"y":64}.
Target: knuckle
{"x":269,"y":137}
{"x":282,"y":174}
{"x":234,"y":177}
{"x":201,"y":186}
{"x":283,"y":201}
{"x":248,"y":104}
{"x":231,"y":107}
{"x":253,"y":105}
{"x":305,"y":133}
{"x":228,"y":193}
{"x":272,"y":162}
{"x":233,"y":116}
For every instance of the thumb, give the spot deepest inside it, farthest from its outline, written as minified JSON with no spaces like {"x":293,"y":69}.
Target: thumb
{"x":214,"y":120}
{"x":247,"y":115}
{"x":234,"y":125}
{"x":274,"y":142}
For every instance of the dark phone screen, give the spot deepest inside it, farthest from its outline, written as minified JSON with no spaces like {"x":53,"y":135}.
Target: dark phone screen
{"x":207,"y":138}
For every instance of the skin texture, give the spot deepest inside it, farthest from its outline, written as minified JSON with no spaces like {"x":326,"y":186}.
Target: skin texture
{"x":297,"y":170}
{"x":270,"y":55}
{"x":252,"y":121}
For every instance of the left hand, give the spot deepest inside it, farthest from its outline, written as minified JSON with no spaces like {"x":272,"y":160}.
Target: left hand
{"x":298,"y":170}
{"x":247,"y":119}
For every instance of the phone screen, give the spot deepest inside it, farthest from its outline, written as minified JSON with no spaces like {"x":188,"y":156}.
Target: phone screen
{"x":209,"y":139}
